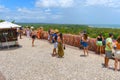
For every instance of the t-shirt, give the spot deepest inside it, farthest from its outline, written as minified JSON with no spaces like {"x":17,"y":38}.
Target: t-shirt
{"x":108,"y":40}
{"x":54,"y":37}
{"x":99,"y":39}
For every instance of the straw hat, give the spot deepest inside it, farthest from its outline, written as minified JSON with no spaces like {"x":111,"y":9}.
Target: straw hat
{"x":56,"y":30}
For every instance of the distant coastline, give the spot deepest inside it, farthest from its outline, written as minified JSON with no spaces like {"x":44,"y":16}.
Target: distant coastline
{"x":89,"y":25}
{"x":104,"y":25}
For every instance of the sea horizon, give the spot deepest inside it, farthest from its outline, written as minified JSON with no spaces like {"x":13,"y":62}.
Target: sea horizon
{"x":104,"y":25}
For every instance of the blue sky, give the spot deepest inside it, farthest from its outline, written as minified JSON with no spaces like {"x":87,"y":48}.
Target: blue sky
{"x":61,"y":11}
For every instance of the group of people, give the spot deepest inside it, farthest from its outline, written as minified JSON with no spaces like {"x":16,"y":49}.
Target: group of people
{"x":57,"y":39}
{"x":112,"y":50}
{"x":111,"y":47}
{"x":28,"y":32}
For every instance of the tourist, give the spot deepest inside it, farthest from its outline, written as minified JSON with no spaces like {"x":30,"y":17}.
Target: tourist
{"x":28,"y":32}
{"x":99,"y":43}
{"x":17,"y":32}
{"x":108,"y":49}
{"x":20,"y":32}
{"x":117,"y":53}
{"x":49,"y":35}
{"x":85,"y":40}
{"x":55,"y":42}
{"x":60,"y":45}
{"x":33,"y":37}
{"x":52,"y":36}
{"x":104,"y":43}
{"x":81,"y":36}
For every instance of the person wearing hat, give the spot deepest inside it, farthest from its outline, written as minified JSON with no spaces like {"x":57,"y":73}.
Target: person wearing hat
{"x":55,"y":42}
{"x":108,"y":49}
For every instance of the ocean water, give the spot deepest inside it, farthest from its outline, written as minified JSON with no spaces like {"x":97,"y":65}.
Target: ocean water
{"x":105,"y":25}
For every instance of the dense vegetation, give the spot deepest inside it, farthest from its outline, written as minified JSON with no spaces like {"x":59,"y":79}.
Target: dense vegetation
{"x":76,"y":29}
{"x":2,"y":20}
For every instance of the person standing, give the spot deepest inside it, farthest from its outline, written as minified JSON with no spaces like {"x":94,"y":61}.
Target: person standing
{"x":85,"y":40}
{"x":108,"y":49}
{"x":20,"y":32}
{"x":49,"y":34}
{"x":28,"y":32}
{"x":33,"y":37}
{"x":117,"y":52}
{"x":99,"y":43}
{"x":81,"y":36}
{"x":55,"y":36}
{"x":60,"y":45}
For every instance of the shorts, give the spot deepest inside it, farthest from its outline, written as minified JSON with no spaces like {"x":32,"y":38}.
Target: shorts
{"x":85,"y":44}
{"x":109,"y":54}
{"x":33,"y":37}
{"x":55,"y":45}
{"x":99,"y":43}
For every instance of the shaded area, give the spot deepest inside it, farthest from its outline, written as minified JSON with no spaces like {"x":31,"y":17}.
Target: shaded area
{"x":6,"y":48}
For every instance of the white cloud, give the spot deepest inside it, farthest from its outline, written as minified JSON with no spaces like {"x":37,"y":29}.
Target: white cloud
{"x":3,"y":8}
{"x":106,"y":3}
{"x":48,"y":10}
{"x":56,"y":16}
{"x":24,"y":10}
{"x":30,"y":15}
{"x":54,"y":3}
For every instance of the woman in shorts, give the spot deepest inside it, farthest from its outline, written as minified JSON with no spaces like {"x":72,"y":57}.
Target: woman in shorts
{"x":85,"y":40}
{"x":99,"y":43}
{"x":33,"y":38}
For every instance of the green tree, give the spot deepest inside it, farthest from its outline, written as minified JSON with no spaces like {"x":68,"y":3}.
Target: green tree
{"x":2,"y":20}
{"x":13,"y":21}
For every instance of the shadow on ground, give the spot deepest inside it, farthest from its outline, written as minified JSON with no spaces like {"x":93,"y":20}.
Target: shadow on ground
{"x":82,"y":55}
{"x":10,"y":48}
